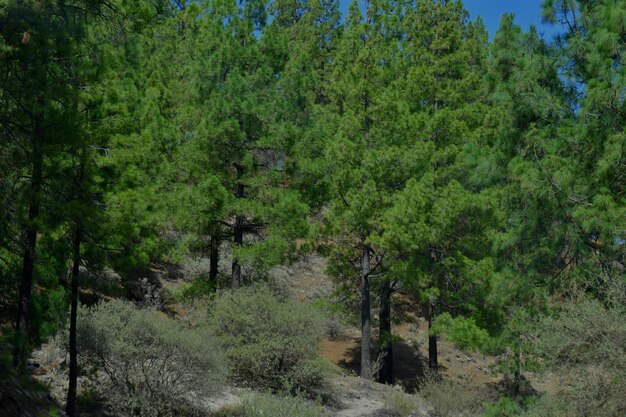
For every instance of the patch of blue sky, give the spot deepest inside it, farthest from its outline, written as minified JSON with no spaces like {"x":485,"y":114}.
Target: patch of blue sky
{"x":527,"y":13}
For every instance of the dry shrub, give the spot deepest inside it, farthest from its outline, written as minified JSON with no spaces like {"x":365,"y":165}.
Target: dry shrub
{"x":586,"y":344}
{"x":146,"y":364}
{"x":270,"y":343}
{"x":400,"y":404}
{"x":451,"y":399}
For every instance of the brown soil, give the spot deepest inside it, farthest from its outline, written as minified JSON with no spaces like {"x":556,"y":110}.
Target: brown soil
{"x":410,"y":358}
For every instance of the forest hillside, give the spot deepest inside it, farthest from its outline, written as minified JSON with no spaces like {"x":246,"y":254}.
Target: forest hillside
{"x":250,"y":208}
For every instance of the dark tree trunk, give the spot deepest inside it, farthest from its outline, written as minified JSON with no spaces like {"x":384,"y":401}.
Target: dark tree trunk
{"x":432,"y":340}
{"x":22,"y":322}
{"x":517,"y":376}
{"x":238,"y":231}
{"x":236,"y":271}
{"x":70,"y":407}
{"x":385,"y":375}
{"x":366,"y":338}
{"x":214,"y":258}
{"x":430,"y":313}
{"x":517,"y":382}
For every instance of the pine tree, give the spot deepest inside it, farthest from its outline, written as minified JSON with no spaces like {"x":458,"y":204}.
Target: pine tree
{"x":233,"y":142}
{"x":365,"y":157}
{"x":592,"y":190}
{"x":38,"y":39}
{"x":436,"y":228}
{"x":308,"y":38}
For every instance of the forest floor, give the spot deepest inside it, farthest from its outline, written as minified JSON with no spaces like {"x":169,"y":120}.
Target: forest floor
{"x":308,"y":281}
{"x":349,"y":396}
{"x":410,"y":350}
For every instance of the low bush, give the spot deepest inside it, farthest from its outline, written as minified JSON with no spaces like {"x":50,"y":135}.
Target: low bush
{"x":504,"y":407}
{"x":263,"y":405}
{"x":399,"y":404}
{"x":270,"y":344}
{"x":188,"y":292}
{"x":268,"y":405}
{"x":145,"y":364}
{"x":585,"y":343}
{"x":451,"y":399}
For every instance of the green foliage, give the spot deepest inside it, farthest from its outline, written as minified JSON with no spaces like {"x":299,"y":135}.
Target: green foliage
{"x":460,"y":330}
{"x":198,"y":288}
{"x":504,"y":407}
{"x":549,"y":406}
{"x":148,"y":364}
{"x":53,"y":412}
{"x":485,"y":180}
{"x":270,"y":343}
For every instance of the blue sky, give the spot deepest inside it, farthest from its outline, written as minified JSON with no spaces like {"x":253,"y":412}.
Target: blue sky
{"x":526,"y":12}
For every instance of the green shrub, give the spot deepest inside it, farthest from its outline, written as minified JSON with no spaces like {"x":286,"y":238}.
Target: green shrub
{"x":550,"y":406}
{"x":145,"y":363}
{"x":271,"y":344}
{"x":52,"y":412}
{"x":191,"y":291}
{"x":504,"y":407}
{"x":462,"y":331}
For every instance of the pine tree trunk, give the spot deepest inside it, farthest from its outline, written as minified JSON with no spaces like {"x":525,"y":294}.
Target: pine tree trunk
{"x":70,"y":407}
{"x":366,"y":338}
{"x":430,"y":312}
{"x":517,"y":382}
{"x":238,"y":232}
{"x":385,"y":375}
{"x":214,"y":258}
{"x":432,"y":340}
{"x":517,"y":376}
{"x":236,"y":271}
{"x":22,"y":323}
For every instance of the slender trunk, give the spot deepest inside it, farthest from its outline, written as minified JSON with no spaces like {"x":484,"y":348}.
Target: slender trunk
{"x":430,"y":313}
{"x":238,"y":240}
{"x":214,"y":258}
{"x":517,"y":376}
{"x":22,"y":323}
{"x":432,"y":340}
{"x":385,"y":375}
{"x":70,"y":407}
{"x":238,"y":231}
{"x":366,"y":337}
